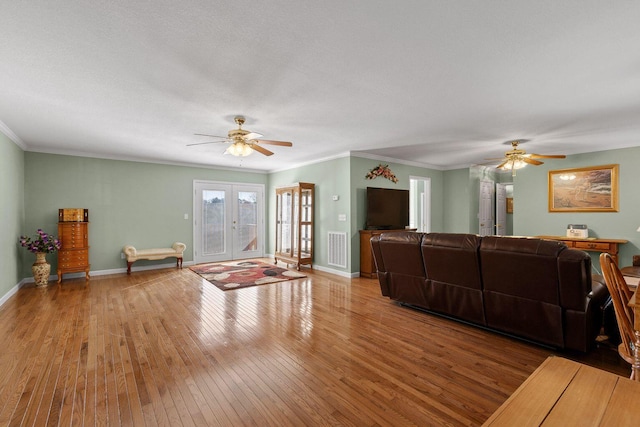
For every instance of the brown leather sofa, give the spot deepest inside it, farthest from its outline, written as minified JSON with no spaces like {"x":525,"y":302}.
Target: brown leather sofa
{"x":535,"y":289}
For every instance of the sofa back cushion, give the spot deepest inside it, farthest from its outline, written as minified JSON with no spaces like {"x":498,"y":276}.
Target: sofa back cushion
{"x":574,"y":269}
{"x":404,"y":270}
{"x":453,"y":275}
{"x":521,"y":287}
{"x":523,"y":267}
{"x":452,"y":258}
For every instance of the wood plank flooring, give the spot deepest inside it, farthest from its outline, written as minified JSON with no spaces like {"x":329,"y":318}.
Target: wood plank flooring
{"x":165,"y":347}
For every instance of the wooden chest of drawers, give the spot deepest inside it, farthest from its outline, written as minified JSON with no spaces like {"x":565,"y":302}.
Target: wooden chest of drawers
{"x":73,"y":256}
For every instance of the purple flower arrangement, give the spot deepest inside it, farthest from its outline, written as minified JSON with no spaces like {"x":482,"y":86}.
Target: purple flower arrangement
{"x":43,"y":242}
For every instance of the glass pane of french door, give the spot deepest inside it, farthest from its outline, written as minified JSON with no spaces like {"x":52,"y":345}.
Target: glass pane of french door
{"x":213,"y":221}
{"x":228,"y":221}
{"x":247,"y":220}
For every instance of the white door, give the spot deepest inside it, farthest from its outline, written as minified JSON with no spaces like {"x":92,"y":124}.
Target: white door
{"x":485,"y":214}
{"x":501,"y":209}
{"x":420,"y":203}
{"x":228,"y":221}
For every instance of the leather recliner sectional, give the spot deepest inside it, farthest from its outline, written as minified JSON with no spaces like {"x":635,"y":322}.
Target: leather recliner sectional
{"x":535,"y":289}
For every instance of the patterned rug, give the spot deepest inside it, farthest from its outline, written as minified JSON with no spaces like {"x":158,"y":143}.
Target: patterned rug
{"x":242,"y":274}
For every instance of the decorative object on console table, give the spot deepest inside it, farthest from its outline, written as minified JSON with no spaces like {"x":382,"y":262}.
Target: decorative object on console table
{"x":73,"y":229}
{"x":41,"y":245}
{"x":294,"y":224}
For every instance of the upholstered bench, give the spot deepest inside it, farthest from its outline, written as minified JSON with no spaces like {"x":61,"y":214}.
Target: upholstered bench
{"x":134,"y":254}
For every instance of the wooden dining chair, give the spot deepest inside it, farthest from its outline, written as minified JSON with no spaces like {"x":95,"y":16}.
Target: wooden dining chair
{"x":620,"y":295}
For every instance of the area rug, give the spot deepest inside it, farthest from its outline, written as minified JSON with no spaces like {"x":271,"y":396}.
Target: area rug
{"x":242,"y":274}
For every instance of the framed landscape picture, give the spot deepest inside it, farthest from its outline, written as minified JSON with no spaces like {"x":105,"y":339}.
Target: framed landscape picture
{"x":591,"y":189}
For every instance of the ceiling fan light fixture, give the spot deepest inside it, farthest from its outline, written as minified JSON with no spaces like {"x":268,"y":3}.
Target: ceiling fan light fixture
{"x":513,"y":164}
{"x":239,"y":149}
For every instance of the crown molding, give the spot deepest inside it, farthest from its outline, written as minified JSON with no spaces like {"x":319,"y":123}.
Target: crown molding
{"x":12,"y":136}
{"x":391,"y":159}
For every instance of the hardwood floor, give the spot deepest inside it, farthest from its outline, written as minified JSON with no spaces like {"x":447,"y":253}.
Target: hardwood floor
{"x":165,"y":347}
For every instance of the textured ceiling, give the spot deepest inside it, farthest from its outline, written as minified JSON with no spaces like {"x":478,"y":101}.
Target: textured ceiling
{"x":440,"y":83}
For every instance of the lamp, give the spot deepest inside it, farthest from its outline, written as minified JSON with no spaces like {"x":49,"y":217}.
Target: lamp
{"x":239,"y":149}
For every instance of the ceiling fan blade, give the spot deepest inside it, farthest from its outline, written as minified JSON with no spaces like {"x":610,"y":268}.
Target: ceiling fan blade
{"x":208,"y":142}
{"x":252,"y":135}
{"x":270,"y":142}
{"x":261,"y":150}
{"x":502,"y":164}
{"x":547,"y":156}
{"x":212,"y":136}
{"x":531,"y":161}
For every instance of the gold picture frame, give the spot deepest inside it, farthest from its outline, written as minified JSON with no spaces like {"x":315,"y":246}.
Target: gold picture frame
{"x":590,"y":189}
{"x":509,"y":204}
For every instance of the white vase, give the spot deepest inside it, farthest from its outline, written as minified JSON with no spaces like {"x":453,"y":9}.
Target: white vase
{"x":41,"y":269}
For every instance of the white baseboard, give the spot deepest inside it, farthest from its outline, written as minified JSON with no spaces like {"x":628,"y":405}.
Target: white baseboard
{"x":11,"y":292}
{"x":346,"y":274}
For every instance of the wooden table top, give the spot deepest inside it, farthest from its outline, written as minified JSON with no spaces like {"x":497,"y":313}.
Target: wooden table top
{"x":566,"y":393}
{"x":585,"y":239}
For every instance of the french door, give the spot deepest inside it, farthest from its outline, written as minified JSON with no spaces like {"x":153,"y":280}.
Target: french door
{"x":228,"y":221}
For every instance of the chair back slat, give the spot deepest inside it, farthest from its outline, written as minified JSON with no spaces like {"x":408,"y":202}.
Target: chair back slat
{"x":620,"y":295}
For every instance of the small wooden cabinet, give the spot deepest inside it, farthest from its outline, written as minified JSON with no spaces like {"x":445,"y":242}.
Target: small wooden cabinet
{"x":367,"y":263}
{"x":73,"y":256}
{"x":294,"y":224}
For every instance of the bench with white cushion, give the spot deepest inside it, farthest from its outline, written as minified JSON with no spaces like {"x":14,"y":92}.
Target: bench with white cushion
{"x":134,"y":254}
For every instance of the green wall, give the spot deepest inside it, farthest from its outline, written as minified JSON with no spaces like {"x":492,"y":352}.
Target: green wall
{"x":457,"y":201}
{"x":11,"y":215}
{"x":532,"y":217}
{"x":345,"y":177}
{"x":142,"y":204}
{"x":331,"y":178}
{"x":360,"y":166}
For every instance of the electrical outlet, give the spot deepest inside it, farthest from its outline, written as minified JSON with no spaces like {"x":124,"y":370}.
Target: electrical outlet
{"x":122,"y":255}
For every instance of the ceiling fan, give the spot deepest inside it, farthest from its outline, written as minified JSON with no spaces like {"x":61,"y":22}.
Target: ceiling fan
{"x":243,"y":142}
{"x":517,"y":159}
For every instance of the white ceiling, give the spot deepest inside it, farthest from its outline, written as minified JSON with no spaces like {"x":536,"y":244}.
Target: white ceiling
{"x":440,"y":83}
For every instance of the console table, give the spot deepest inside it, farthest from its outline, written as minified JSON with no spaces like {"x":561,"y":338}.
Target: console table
{"x":609,"y":246}
{"x":562,"y":392}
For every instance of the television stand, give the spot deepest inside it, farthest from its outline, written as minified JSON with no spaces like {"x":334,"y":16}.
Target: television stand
{"x":367,"y":264}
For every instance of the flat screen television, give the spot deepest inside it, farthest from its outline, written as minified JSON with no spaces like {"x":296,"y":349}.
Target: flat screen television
{"x":387,"y":209}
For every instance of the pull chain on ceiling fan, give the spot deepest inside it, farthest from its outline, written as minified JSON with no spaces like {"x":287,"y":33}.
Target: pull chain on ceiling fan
{"x":243,"y":142}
